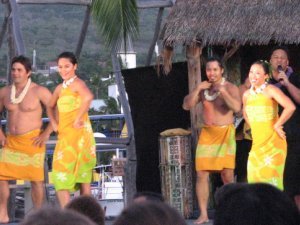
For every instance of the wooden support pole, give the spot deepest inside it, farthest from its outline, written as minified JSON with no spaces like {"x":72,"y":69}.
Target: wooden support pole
{"x":230,"y":52}
{"x":155,"y":36}
{"x":141,"y":5}
{"x":67,"y":2}
{"x":83,"y":32}
{"x":155,"y":4}
{"x":11,"y":44}
{"x":193,"y":54}
{"x":130,"y":167}
{"x":16,"y":30}
{"x":3,"y":29}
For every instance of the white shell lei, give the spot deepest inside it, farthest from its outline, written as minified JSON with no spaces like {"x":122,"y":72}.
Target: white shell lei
{"x":258,"y":90}
{"x":20,"y":98}
{"x":215,"y":95}
{"x":66,"y":83}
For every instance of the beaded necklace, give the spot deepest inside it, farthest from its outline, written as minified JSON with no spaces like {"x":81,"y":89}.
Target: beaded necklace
{"x":66,"y":83}
{"x":258,"y":90}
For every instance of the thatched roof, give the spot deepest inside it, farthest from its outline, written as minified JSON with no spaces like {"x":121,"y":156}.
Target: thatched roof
{"x":222,"y":22}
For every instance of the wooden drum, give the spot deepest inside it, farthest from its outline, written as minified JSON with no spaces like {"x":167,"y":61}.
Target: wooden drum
{"x":176,"y":172}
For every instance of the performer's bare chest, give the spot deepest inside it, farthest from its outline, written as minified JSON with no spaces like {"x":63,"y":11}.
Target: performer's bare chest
{"x":216,"y":105}
{"x":29,"y":104}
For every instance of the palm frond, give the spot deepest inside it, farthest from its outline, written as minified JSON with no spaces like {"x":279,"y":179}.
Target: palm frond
{"x":116,"y":20}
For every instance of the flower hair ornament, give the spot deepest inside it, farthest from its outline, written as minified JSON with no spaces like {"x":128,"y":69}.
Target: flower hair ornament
{"x":268,"y":64}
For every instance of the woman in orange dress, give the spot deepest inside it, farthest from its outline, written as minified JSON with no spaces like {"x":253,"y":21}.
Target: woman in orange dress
{"x":267,"y":156}
{"x":74,"y":156}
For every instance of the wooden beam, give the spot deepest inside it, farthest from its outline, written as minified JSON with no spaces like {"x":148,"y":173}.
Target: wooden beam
{"x":193,"y":54}
{"x":11,"y":44}
{"x":155,"y":36}
{"x":83,"y":32}
{"x":17,"y":34}
{"x":130,"y":167}
{"x":123,"y":96}
{"x":230,"y":52}
{"x":141,"y":5}
{"x":67,"y":2}
{"x":155,"y":4}
{"x":3,"y":30}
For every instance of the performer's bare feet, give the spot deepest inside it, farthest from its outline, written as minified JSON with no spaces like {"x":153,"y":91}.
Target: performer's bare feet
{"x":4,"y":220}
{"x":202,"y":220}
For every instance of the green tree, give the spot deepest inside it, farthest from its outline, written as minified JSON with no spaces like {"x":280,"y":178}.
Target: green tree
{"x":112,"y":106}
{"x":54,"y":79}
{"x":117,"y":20}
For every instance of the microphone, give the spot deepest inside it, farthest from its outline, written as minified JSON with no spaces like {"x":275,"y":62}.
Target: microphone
{"x":280,"y":69}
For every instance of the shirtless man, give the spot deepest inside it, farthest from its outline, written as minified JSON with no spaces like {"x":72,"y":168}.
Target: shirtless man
{"x":216,"y":146}
{"x":23,"y":147}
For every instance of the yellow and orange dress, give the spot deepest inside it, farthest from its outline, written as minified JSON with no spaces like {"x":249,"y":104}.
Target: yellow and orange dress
{"x":267,"y":156}
{"x":74,"y":155}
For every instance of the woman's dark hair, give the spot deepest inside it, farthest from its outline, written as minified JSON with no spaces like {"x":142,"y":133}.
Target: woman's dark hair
{"x":265,"y":65}
{"x":23,"y":60}
{"x":68,"y":55}
{"x":215,"y":59}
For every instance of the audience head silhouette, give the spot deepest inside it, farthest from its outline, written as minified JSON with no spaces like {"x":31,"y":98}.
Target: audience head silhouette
{"x":147,"y":196}
{"x":149,"y":213}
{"x":88,"y":206}
{"x":254,"y":204}
{"x":54,"y":216}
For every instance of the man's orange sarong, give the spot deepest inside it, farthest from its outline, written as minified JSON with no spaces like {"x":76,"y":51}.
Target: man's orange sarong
{"x":216,"y":148}
{"x":20,"y":159}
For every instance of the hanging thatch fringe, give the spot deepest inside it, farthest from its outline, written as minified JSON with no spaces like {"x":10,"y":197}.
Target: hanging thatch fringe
{"x":166,"y":58}
{"x":219,"y":22}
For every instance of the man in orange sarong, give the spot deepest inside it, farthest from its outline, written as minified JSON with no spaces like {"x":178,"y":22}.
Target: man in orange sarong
{"x":23,"y":148}
{"x":216,"y":147}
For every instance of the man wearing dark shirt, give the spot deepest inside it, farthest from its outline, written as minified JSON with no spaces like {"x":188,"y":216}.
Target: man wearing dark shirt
{"x":289,"y":82}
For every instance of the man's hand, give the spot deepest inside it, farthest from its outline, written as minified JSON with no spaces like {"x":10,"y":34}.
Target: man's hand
{"x":194,"y":97}
{"x":282,"y":78}
{"x":204,"y":85}
{"x":219,"y":87}
{"x":2,"y":139}
{"x":41,"y":139}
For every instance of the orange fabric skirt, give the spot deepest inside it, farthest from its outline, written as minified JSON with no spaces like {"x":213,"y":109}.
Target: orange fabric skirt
{"x":216,"y":148}
{"x":20,"y":159}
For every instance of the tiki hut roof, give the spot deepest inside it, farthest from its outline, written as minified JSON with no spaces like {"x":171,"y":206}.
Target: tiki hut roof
{"x":223,"y":22}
